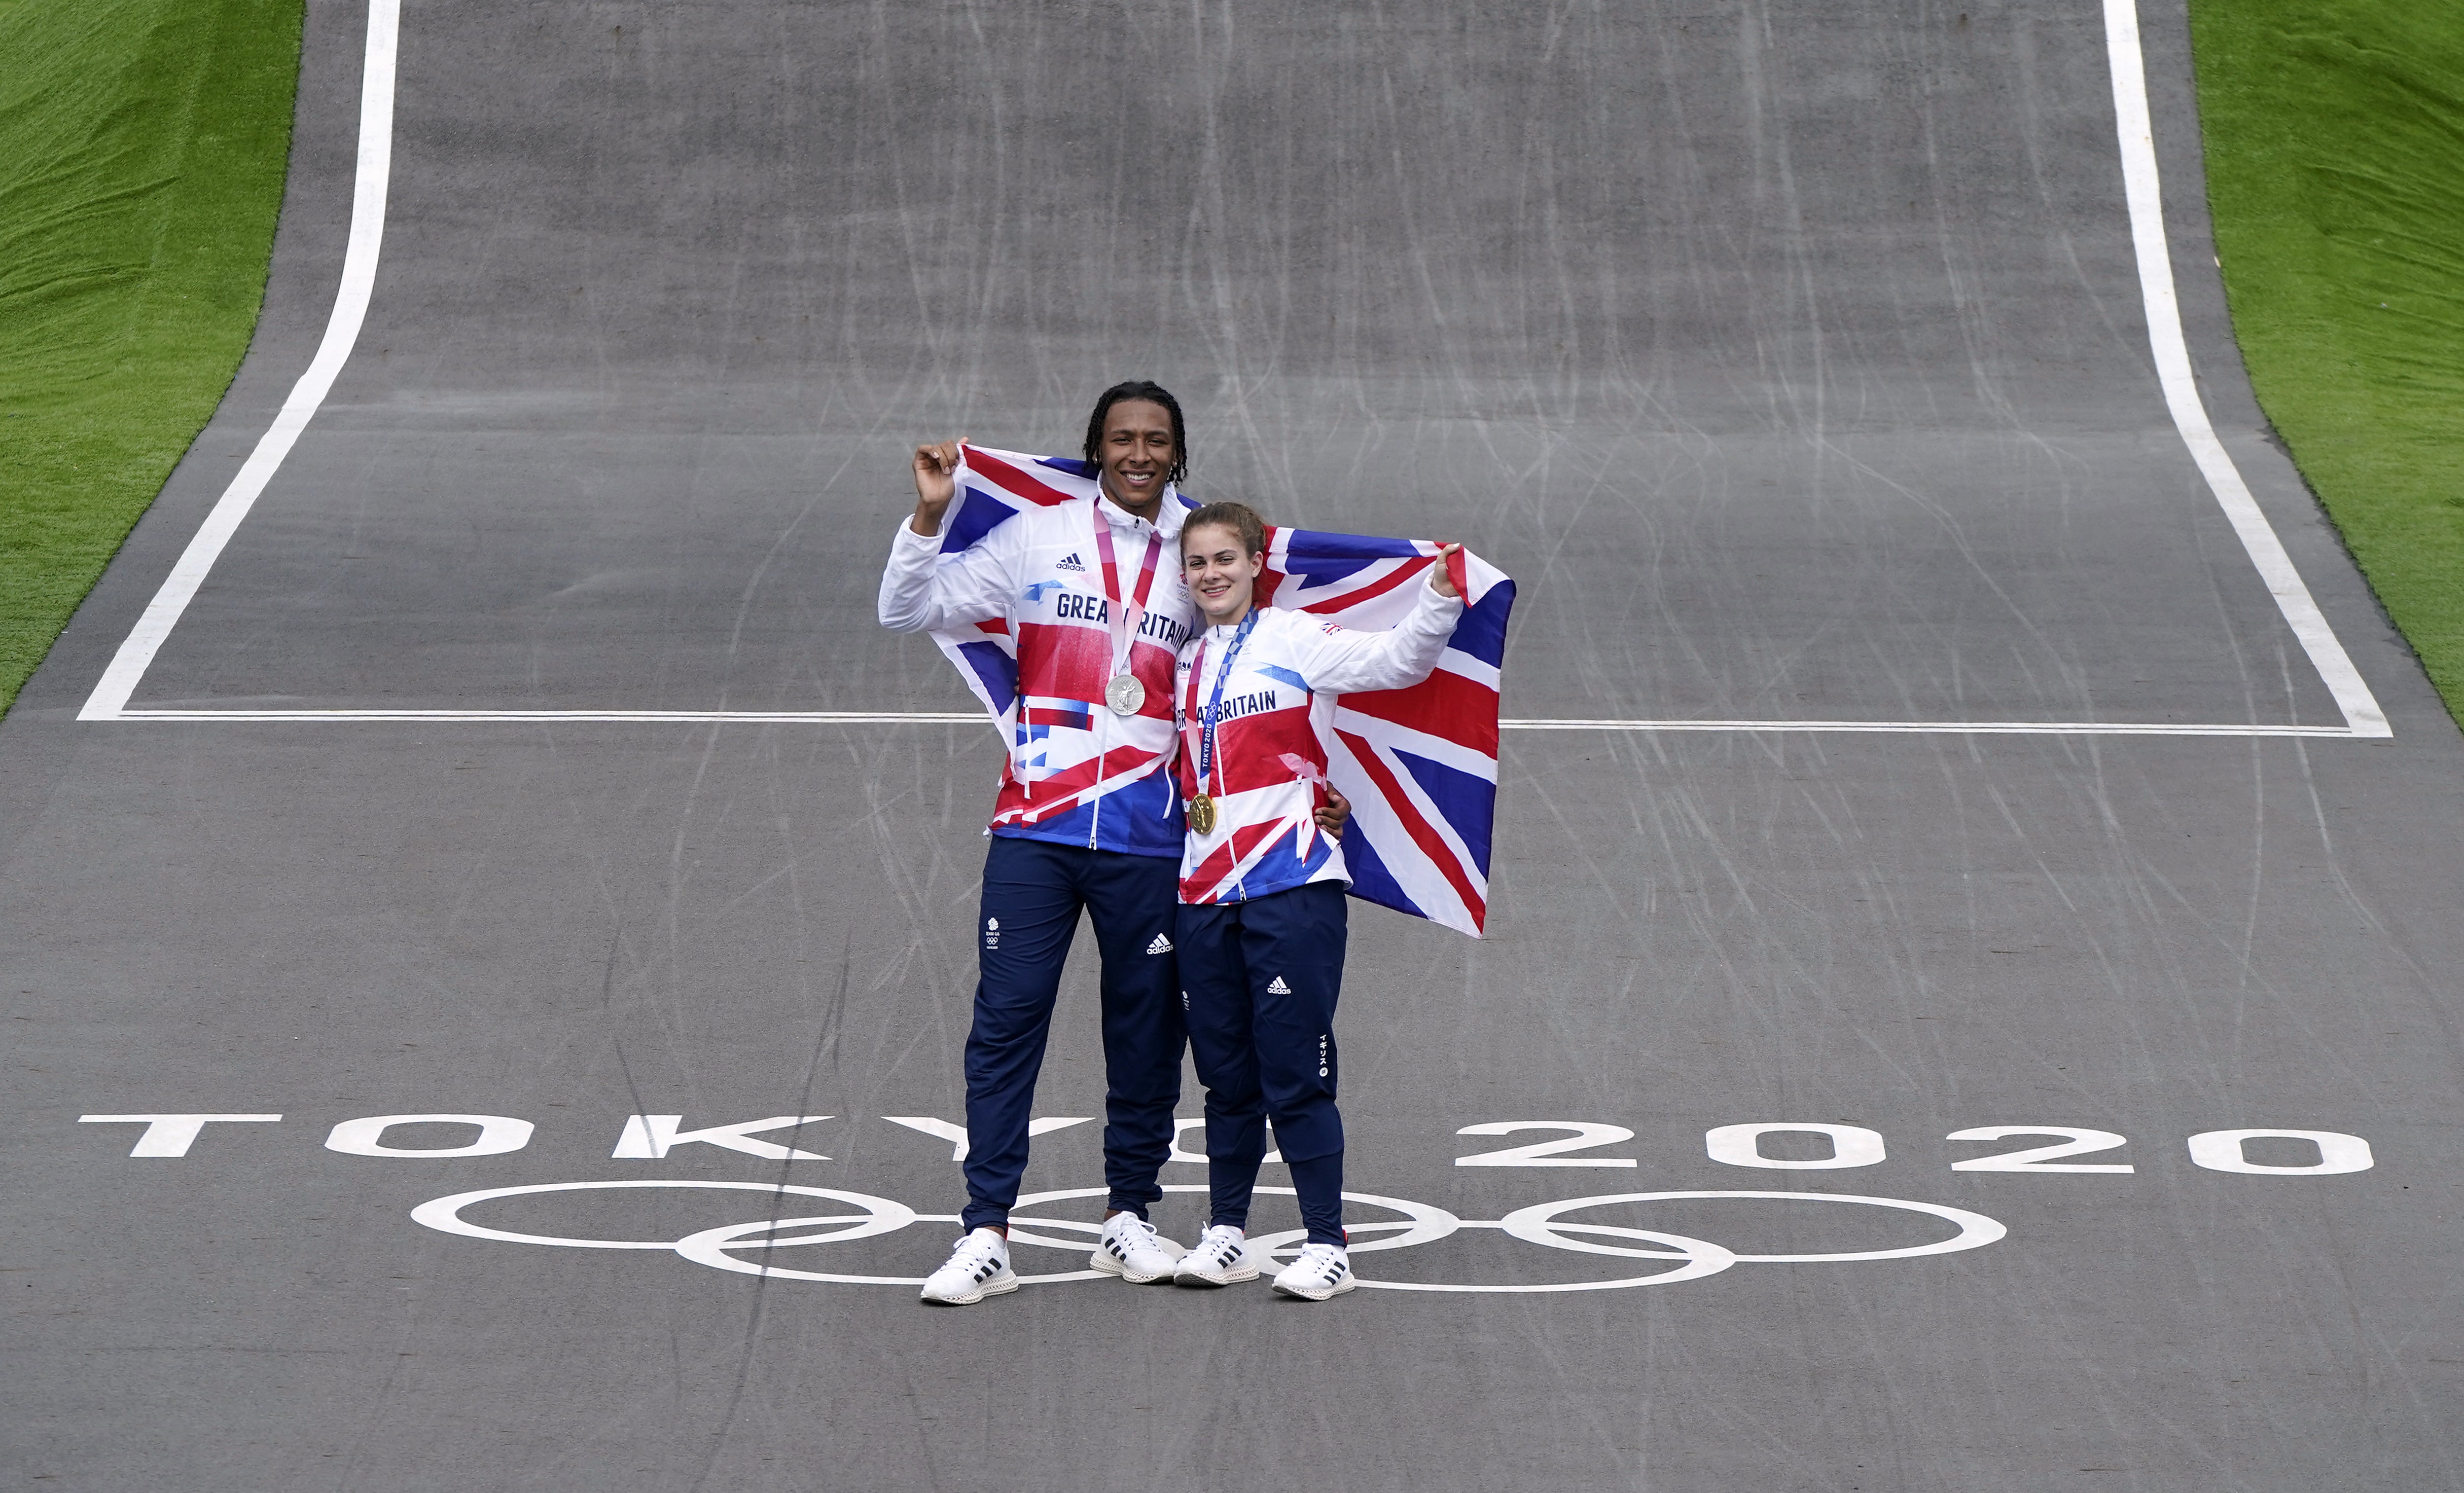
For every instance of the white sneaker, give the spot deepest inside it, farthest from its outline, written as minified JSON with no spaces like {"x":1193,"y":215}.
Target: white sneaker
{"x":1131,"y":1249}
{"x":977,"y":1269}
{"x":1322,"y":1270}
{"x":1220,"y":1256}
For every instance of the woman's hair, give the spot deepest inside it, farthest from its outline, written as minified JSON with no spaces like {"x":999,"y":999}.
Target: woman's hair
{"x":1154,"y":393}
{"x":1238,"y":517}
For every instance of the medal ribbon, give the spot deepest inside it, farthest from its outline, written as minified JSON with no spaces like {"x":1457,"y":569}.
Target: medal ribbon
{"x":1124,"y":617}
{"x":1214,"y":708}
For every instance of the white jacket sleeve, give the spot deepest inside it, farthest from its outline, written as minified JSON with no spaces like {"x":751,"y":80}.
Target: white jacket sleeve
{"x":919,"y":594}
{"x":1342,"y":661}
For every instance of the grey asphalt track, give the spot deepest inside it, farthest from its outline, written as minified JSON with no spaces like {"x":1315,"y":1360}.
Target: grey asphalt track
{"x":1791,"y":357}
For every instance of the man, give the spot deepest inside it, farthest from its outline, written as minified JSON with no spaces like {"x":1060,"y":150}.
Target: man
{"x":1088,"y":816}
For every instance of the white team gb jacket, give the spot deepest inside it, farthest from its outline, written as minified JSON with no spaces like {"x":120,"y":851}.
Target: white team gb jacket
{"x":1272,"y":741}
{"x":1077,"y":774}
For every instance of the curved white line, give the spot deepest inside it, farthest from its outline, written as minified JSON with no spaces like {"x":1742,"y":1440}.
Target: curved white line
{"x":2362,"y":714}
{"x":110,"y":696}
{"x":1536,"y":1224}
{"x":445,"y":1214}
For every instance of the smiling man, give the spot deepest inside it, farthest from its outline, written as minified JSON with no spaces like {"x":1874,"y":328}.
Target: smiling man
{"x":1087,"y":817}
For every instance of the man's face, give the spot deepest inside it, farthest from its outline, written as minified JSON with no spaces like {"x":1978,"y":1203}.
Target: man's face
{"x":1136,"y":452}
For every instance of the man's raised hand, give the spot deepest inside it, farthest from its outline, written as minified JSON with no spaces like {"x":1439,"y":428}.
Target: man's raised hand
{"x":935,"y":469}
{"x":1442,"y":579}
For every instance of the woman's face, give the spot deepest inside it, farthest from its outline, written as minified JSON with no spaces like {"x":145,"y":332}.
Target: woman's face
{"x":1137,"y":451}
{"x":1220,"y":571}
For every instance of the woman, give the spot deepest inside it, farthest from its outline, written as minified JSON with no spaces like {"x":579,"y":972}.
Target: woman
{"x":1261,"y":926}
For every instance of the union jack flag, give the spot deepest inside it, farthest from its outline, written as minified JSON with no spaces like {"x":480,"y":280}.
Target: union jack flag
{"x":1420,"y":764}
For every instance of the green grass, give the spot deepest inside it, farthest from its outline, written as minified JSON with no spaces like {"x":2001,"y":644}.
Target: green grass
{"x":142,"y":144}
{"x":2335,"y":151}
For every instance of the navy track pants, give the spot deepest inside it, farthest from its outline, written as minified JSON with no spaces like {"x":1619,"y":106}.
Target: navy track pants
{"x":1262,"y":978}
{"x":1033,"y":892}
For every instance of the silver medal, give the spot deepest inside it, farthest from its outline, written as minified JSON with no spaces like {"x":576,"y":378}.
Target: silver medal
{"x":1125,"y":695}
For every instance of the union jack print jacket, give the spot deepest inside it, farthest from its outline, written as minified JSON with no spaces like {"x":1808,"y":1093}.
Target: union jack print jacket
{"x":1275,"y":730}
{"x":1076,"y":774}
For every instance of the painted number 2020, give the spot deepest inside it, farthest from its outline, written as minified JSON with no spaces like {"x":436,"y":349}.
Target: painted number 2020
{"x":1577,"y":1141}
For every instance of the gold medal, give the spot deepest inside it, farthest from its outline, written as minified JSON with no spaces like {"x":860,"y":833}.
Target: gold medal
{"x":1202,"y":808}
{"x":1125,"y":695}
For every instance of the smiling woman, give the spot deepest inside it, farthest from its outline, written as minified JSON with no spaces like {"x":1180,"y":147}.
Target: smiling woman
{"x":142,"y":148}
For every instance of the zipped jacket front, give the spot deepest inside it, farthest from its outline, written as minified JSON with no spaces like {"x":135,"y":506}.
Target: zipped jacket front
{"x":1273,"y":717}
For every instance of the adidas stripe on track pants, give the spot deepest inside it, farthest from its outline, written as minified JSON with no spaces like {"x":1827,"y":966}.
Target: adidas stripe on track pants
{"x":1033,"y":892}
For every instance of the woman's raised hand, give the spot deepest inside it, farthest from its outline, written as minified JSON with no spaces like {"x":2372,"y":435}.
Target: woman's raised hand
{"x":1441,"y":579}
{"x":935,"y":469}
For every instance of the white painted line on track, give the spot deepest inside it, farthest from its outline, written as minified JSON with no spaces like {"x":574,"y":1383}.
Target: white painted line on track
{"x":2172,"y":354}
{"x":648,"y":718}
{"x":111,"y":693}
{"x":2170,"y":348}
{"x":1939,"y":728}
{"x":1935,"y":728}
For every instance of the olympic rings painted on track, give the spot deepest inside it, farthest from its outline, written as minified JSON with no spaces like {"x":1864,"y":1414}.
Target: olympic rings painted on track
{"x":445,"y":1214}
{"x":1426,"y":1224}
{"x":1537,"y":1224}
{"x":1421,"y":1223}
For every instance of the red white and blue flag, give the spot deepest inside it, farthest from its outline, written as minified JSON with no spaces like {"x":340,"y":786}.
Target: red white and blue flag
{"x":1418,"y":765}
